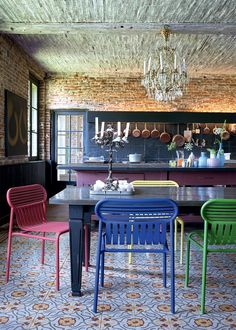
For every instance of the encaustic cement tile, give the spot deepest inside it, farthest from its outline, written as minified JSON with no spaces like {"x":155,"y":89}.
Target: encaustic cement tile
{"x":133,"y":296}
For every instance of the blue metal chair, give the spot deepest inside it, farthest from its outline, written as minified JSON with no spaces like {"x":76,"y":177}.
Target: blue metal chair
{"x":140,"y":222}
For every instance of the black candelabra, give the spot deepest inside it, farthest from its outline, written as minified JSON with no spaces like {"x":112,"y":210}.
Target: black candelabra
{"x":113,"y":140}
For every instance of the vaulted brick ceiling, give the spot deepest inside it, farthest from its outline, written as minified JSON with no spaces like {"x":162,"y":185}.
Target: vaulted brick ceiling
{"x":103,"y":37}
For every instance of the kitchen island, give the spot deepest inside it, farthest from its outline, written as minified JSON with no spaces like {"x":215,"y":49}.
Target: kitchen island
{"x":88,"y":173}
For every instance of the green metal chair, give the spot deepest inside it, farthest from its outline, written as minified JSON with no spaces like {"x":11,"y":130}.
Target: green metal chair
{"x":219,"y":235}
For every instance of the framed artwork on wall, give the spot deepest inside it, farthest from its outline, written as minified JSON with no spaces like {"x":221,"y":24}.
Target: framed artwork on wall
{"x":15,"y":125}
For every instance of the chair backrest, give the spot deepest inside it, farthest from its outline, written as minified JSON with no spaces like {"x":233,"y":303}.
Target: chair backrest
{"x":28,"y":204}
{"x":155,"y":183}
{"x":220,"y":221}
{"x":140,"y":221}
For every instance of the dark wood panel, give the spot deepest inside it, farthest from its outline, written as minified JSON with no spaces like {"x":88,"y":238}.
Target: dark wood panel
{"x":169,"y":117}
{"x":17,"y":175}
{"x":203,"y":178}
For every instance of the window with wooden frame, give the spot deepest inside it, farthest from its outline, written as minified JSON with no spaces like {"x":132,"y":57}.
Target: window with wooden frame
{"x":33,"y":118}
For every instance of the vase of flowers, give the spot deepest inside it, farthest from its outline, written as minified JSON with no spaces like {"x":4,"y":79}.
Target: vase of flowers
{"x":172,"y":148}
{"x":217,"y":158}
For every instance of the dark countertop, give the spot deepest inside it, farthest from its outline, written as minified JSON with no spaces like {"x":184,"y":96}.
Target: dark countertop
{"x":143,"y":167}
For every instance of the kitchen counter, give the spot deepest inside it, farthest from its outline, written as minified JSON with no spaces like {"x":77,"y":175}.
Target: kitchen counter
{"x":87,"y":174}
{"x":149,"y":167}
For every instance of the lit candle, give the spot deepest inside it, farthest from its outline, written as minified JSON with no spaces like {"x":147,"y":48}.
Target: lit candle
{"x":127,"y":130}
{"x":161,"y":64}
{"x":149,"y":64}
{"x":102,"y":129}
{"x":175,"y":62}
{"x":144,"y":68}
{"x":96,"y":126}
{"x":119,"y":128}
{"x":184,"y":65}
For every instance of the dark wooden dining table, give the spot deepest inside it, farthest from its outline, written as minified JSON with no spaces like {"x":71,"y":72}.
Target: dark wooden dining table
{"x":81,"y":206}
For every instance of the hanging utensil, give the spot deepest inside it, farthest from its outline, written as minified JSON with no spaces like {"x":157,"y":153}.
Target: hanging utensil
{"x":136,"y":132}
{"x":206,"y":129}
{"x":178,"y":138}
{"x":155,"y":133}
{"x":215,"y":130}
{"x":232,"y":129}
{"x":129,"y":132}
{"x":225,"y":135}
{"x":145,"y":132}
{"x":198,"y":130}
{"x":165,"y":137}
{"x":188,"y":134}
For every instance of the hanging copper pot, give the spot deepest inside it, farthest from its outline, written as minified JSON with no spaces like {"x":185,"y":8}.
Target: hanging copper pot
{"x":165,"y":137}
{"x":206,"y":129}
{"x":145,"y":132}
{"x":178,"y":139}
{"x":136,"y":132}
{"x":225,"y":135}
{"x":155,"y":133}
{"x":232,"y":129}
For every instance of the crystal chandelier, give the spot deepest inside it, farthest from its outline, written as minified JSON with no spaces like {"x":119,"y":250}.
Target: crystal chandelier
{"x":164,"y":77}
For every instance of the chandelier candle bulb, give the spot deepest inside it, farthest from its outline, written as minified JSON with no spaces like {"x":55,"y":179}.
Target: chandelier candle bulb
{"x":175,"y":62}
{"x":96,"y":126}
{"x":161,"y":63}
{"x":149,"y":64}
{"x":184,"y":65}
{"x":102,"y":129}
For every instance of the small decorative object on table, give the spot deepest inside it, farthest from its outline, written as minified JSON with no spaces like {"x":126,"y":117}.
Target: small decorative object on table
{"x":112,"y":139}
{"x":122,"y":187}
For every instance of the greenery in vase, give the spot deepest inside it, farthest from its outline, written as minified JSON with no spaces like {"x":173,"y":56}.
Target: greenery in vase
{"x":172,"y":147}
{"x":217,"y":151}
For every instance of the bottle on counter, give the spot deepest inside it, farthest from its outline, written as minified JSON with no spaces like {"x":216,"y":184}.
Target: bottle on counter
{"x":202,"y":161}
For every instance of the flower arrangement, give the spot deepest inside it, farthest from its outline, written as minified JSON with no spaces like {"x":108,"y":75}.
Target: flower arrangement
{"x":218,"y":150}
{"x":172,"y":147}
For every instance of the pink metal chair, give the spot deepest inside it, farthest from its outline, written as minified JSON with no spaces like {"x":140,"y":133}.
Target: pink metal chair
{"x":28,"y":207}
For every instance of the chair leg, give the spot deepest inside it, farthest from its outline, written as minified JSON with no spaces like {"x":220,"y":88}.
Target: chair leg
{"x":164,"y":269}
{"x":57,"y":264}
{"x":176,"y":233}
{"x":43,"y":250}
{"x":130,"y":247}
{"x":204,"y":269}
{"x":172,"y":268}
{"x":98,"y":263}
{"x":130,"y":254}
{"x":187,"y":263}
{"x":8,"y":257}
{"x":102,"y":261}
{"x":102,"y":268}
{"x":86,"y":257}
{"x":181,"y":240}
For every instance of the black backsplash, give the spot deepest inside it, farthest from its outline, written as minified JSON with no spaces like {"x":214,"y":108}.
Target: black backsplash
{"x":152,"y":149}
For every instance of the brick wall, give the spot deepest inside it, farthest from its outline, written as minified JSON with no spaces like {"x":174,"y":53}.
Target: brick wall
{"x":15,"y":66}
{"x":205,"y":94}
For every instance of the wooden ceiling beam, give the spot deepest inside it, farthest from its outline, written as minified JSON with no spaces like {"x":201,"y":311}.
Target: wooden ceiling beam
{"x":73,"y":28}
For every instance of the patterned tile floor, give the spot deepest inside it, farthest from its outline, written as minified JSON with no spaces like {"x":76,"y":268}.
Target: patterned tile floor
{"x":133,"y":297}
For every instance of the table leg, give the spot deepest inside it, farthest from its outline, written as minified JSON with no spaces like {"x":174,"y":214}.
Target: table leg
{"x":76,"y":247}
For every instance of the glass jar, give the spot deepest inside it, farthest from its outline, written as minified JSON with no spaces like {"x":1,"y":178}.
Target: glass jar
{"x":202,"y":161}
